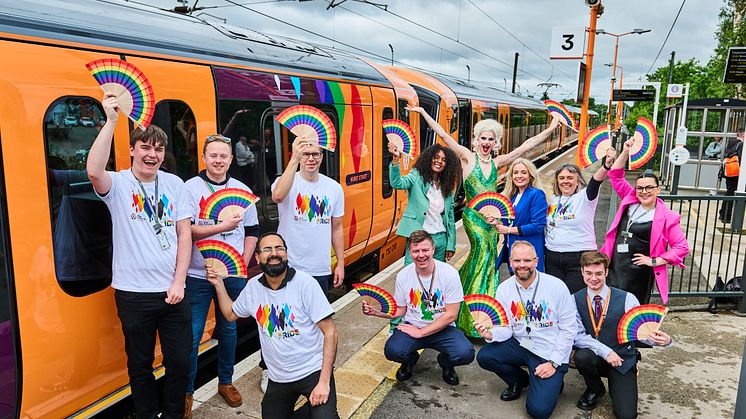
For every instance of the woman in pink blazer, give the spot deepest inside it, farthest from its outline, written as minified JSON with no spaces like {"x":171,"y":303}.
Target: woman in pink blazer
{"x":644,"y":237}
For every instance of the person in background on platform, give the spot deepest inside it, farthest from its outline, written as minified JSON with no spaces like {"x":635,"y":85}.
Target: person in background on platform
{"x":732,"y":159}
{"x":599,"y":353}
{"x":430,"y":186}
{"x":714,"y":148}
{"x":241,"y":233}
{"x":645,"y":236}
{"x":245,"y":160}
{"x":311,"y":209}
{"x":530,"y":202}
{"x":428,"y":295}
{"x":152,"y":243}
{"x":571,"y":221}
{"x":300,"y":346}
{"x":480,"y":174}
{"x":539,"y":334}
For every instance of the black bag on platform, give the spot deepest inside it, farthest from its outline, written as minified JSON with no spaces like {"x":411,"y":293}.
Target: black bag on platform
{"x":733,"y":284}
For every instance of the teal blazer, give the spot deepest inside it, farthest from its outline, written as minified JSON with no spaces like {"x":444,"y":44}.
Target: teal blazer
{"x":418,"y":204}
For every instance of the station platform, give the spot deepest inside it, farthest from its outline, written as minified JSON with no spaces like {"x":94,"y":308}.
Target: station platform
{"x":696,"y":377}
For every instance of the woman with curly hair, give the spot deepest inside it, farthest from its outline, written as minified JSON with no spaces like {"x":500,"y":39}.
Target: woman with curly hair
{"x":479,"y":172}
{"x":430,"y":186}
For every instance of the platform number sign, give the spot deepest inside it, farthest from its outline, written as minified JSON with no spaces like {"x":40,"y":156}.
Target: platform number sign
{"x":568,"y":43}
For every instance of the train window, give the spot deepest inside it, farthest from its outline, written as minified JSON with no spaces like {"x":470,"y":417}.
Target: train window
{"x":81,"y":224}
{"x":464,"y":133}
{"x":386,"y":159}
{"x":454,"y":119}
{"x":177,"y":120}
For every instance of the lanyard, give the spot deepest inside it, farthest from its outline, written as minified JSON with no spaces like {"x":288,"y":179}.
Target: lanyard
{"x":597,"y":327}
{"x":532,"y":300}
{"x":209,"y":185}
{"x":157,"y":213}
{"x":631,"y":221}
{"x":427,"y":295}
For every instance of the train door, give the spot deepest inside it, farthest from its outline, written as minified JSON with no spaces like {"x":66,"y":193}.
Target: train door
{"x":430,"y":102}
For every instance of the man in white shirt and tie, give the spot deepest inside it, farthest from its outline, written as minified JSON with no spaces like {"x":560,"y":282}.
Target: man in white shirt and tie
{"x":539,"y":334}
{"x":599,"y":353}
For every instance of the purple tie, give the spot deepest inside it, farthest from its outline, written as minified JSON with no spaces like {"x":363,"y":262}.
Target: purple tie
{"x":597,"y":310}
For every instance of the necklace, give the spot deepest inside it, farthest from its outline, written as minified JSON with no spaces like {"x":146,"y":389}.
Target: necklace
{"x":483,"y":159}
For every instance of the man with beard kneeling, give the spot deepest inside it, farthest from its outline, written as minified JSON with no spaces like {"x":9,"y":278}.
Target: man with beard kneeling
{"x":296,"y":331}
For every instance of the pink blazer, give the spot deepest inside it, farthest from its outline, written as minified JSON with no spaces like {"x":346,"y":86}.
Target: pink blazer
{"x":667,"y":241}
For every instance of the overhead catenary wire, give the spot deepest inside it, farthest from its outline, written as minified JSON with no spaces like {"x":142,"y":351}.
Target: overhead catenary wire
{"x":669,"y":34}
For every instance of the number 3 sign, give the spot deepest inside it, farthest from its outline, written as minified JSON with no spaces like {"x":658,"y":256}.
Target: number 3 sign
{"x":568,"y":43}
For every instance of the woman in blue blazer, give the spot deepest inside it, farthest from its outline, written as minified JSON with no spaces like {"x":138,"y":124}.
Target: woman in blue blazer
{"x":430,"y":187}
{"x":530,"y":202}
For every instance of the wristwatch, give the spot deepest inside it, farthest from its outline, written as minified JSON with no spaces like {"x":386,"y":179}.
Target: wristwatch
{"x":653,"y":261}
{"x":555,"y":365}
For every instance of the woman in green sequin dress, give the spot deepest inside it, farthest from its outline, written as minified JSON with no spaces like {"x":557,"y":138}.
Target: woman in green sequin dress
{"x":480,"y":168}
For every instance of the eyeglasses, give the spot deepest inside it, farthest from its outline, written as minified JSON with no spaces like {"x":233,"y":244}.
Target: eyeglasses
{"x":316,"y":155}
{"x":217,"y":137}
{"x":276,"y":249}
{"x":649,"y":188}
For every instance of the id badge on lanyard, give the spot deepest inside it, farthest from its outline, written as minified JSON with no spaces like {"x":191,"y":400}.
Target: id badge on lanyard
{"x":160,"y":233}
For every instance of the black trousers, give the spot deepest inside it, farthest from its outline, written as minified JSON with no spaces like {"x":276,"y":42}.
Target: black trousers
{"x":565,"y":266}
{"x":731,"y":184}
{"x":622,"y":387}
{"x":143,"y":314}
{"x":279,"y":400}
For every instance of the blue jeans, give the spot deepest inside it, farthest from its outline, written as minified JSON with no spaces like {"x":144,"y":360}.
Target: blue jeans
{"x":506,"y":358}
{"x":201,"y":293}
{"x":453,"y":347}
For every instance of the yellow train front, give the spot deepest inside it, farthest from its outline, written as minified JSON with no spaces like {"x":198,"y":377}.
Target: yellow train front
{"x":61,"y":347}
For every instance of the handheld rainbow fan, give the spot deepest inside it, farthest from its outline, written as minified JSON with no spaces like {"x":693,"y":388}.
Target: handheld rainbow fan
{"x":646,"y":141}
{"x":224,"y":203}
{"x":559,"y":109}
{"x":486,"y":310}
{"x":381,"y":296}
{"x":223,"y":258}
{"x":402,"y":135}
{"x":640,"y":322}
{"x":492,"y":204}
{"x":132,"y":89}
{"x":311,"y":124}
{"x":595,"y":145}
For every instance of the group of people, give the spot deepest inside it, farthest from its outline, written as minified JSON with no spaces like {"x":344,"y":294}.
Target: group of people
{"x":163,"y":288}
{"x":551,"y":241}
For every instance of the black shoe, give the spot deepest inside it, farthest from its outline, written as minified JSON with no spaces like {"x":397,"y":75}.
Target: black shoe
{"x":404,"y":373}
{"x":512,"y":392}
{"x":588,"y":400}
{"x":450,"y":376}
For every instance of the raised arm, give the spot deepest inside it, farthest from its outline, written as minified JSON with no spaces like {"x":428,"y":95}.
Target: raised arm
{"x":285,"y":182}
{"x":224,"y":300}
{"x":616,"y":174}
{"x":98,"y":156}
{"x":506,"y":159}
{"x":462,"y":152}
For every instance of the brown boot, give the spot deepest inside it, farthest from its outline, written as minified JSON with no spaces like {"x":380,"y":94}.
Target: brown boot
{"x":188,"y":406}
{"x":230,"y":394}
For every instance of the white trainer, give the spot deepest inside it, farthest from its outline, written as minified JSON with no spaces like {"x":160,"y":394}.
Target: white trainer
{"x":265,"y":381}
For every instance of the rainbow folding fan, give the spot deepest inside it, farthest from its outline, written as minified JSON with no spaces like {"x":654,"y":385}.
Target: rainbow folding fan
{"x":310,"y":124}
{"x":223,"y":258}
{"x":132,"y":89}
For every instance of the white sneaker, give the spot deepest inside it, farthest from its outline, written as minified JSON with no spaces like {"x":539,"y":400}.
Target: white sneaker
{"x":265,"y":381}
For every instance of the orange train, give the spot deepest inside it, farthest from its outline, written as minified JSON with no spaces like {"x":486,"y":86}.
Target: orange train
{"x":61,"y":348}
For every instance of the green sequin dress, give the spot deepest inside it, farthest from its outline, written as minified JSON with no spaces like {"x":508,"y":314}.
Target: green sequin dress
{"x":478,"y":273}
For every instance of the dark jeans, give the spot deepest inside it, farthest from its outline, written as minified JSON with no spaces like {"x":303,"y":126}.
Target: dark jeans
{"x":325,"y":281}
{"x":731,"y":184}
{"x":565,"y":266}
{"x":279,"y":400}
{"x":622,"y":387}
{"x":506,"y":359}
{"x":453,"y":347}
{"x":143,"y":314}
{"x":201,"y":293}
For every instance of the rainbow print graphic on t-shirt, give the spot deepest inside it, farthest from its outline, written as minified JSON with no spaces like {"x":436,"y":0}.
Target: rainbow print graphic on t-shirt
{"x":537,"y":312}
{"x":437,"y":304}
{"x":276,"y":321}
{"x":561,"y":211}
{"x":315,"y":209}
{"x":138,"y":204}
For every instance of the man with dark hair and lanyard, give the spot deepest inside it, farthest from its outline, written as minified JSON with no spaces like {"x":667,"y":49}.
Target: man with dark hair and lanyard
{"x":152,"y":242}
{"x":599,"y":353}
{"x":240,"y":232}
{"x":428,"y":295}
{"x":539,"y":334}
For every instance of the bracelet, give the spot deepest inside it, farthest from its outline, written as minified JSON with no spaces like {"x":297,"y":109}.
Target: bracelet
{"x":603,"y":164}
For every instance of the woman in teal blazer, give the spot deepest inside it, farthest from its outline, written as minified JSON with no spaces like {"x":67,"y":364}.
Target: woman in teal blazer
{"x":430,"y":186}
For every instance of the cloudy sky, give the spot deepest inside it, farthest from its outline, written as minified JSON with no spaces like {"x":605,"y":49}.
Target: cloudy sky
{"x":447,"y":35}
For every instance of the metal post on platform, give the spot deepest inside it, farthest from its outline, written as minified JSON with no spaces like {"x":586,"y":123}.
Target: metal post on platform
{"x":740,"y":411}
{"x":583,"y":128}
{"x":682,"y":123}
